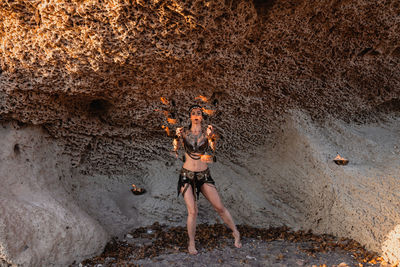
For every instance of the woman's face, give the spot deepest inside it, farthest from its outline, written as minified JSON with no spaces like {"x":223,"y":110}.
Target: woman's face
{"x":196,"y":116}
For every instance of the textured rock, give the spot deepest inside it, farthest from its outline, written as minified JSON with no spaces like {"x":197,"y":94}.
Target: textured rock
{"x":307,"y":189}
{"x":91,"y":73}
{"x":40,"y":223}
{"x":292,"y":181}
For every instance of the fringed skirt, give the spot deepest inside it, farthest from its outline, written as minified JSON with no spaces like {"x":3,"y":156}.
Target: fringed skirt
{"x":195,"y":179}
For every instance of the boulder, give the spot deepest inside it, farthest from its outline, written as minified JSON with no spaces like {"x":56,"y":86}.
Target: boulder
{"x":40,"y":223}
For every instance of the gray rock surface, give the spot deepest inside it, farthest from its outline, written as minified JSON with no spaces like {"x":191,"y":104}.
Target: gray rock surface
{"x":307,"y":189}
{"x":88,"y":75}
{"x":292,"y":181}
{"x":40,"y":223}
{"x":54,"y":215}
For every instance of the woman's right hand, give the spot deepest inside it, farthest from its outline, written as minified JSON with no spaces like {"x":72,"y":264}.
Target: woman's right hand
{"x":179,"y":131}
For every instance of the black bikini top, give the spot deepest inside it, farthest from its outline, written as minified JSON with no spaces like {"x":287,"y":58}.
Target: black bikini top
{"x":195,"y":145}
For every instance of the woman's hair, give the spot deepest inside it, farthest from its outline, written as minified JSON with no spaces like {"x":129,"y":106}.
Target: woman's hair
{"x":196,"y":106}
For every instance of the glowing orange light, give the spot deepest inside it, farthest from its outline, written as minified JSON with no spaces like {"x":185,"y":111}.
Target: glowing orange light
{"x":164,"y":101}
{"x":206,"y":158}
{"x":171,"y":121}
{"x":137,"y":190}
{"x":166,"y":130}
{"x":202,"y":98}
{"x":338,"y":157}
{"x":340,"y":160}
{"x":209,"y":111}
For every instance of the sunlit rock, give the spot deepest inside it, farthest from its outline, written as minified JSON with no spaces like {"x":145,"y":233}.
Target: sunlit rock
{"x":106,"y":80}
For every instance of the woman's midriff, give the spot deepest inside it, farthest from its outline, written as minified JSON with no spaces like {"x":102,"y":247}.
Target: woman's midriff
{"x":194,"y":165}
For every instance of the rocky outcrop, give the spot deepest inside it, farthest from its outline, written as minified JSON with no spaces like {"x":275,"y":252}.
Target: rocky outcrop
{"x":40,"y":223}
{"x":290,"y":181}
{"x":308,"y":190}
{"x":90,"y":74}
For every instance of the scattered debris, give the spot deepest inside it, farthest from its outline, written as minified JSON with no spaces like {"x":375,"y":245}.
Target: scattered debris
{"x":167,"y":240}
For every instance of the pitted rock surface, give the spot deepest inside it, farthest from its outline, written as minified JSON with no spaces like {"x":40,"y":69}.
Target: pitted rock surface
{"x":290,"y":83}
{"x":92,"y":73}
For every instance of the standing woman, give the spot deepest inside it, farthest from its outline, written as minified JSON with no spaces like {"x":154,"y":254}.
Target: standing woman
{"x":195,"y":176}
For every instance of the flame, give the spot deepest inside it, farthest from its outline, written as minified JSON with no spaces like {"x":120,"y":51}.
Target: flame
{"x":171,"y":121}
{"x":209,"y":112}
{"x":338,"y":157}
{"x":164,"y":101}
{"x":206,"y":158}
{"x":202,"y":98}
{"x":166,"y":130}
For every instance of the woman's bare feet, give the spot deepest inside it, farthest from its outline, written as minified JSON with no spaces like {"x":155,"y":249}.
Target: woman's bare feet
{"x":192,"y":249}
{"x":236,"y":235}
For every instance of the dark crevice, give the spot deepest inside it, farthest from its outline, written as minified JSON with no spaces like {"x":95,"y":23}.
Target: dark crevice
{"x":364,"y":52}
{"x":374,"y":53}
{"x":395,"y":53}
{"x":99,"y":107}
{"x":389,"y":106}
{"x":17,"y":150}
{"x":263,"y":6}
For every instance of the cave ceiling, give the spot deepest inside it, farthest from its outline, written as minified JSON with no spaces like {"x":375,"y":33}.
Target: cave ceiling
{"x":92,"y":73}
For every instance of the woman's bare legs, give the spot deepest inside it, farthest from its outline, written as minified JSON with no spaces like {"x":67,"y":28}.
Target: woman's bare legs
{"x":211,"y":194}
{"x":191,"y":206}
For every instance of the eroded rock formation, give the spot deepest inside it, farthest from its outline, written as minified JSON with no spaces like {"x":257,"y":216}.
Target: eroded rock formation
{"x":91,"y":73}
{"x":40,"y":223}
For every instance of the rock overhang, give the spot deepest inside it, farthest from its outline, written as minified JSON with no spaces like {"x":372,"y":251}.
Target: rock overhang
{"x":92,"y":74}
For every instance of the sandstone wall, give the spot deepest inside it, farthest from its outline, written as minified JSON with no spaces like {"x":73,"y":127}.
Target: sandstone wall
{"x":359,"y":200}
{"x":52,"y":214}
{"x":92,"y":73}
{"x":290,"y":181}
{"x":40,"y":223}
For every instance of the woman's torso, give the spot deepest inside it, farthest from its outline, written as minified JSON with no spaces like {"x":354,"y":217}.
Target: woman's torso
{"x":195,"y":146}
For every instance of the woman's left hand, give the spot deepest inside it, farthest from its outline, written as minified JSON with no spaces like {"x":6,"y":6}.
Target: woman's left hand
{"x":179,"y":131}
{"x":207,"y":158}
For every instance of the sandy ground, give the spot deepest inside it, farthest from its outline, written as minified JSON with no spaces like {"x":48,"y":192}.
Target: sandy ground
{"x":159,"y":245}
